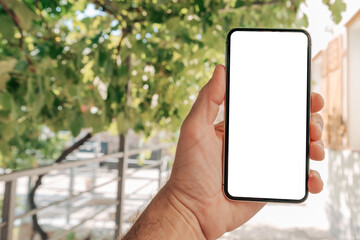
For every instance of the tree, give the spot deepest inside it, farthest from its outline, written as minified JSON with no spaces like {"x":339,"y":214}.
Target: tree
{"x":112,"y":65}
{"x":115,"y":65}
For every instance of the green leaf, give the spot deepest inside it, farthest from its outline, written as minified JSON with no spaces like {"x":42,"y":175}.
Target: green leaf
{"x":122,"y":123}
{"x":4,"y":149}
{"x":5,"y":101}
{"x":76,"y":123}
{"x":30,"y":93}
{"x":71,"y":236}
{"x":239,"y":3}
{"x":7,"y":26}
{"x":337,"y":8}
{"x":25,"y":15}
{"x":102,"y":57}
{"x":7,"y":131}
{"x":21,"y":65}
{"x":3,"y":80}
{"x":141,"y":159}
{"x":147,"y":154}
{"x":5,"y":67}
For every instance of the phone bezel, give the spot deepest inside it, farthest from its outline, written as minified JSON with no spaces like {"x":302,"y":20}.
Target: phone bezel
{"x":226,"y":117}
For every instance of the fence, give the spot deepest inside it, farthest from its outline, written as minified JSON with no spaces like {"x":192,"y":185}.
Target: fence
{"x":8,"y":210}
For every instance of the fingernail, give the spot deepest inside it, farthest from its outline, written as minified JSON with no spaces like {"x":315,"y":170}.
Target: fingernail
{"x":317,"y":174}
{"x":319,"y":144}
{"x":320,"y":127}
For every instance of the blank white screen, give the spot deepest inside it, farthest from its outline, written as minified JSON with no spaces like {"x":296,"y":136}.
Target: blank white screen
{"x":267,"y":115}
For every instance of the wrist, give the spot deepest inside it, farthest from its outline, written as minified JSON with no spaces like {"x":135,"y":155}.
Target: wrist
{"x":181,"y":218}
{"x":207,"y":211}
{"x":166,"y":218}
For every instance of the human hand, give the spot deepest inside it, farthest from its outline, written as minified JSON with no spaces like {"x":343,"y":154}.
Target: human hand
{"x":196,"y":179}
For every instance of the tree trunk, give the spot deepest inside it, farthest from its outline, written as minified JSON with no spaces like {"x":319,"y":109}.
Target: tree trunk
{"x":31,"y":195}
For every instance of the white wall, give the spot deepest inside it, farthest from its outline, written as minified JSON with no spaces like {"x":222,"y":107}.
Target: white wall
{"x":344,"y":81}
{"x":354,"y":86}
{"x":316,"y":71}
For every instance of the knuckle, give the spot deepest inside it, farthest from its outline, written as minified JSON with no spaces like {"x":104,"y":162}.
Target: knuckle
{"x":316,"y":117}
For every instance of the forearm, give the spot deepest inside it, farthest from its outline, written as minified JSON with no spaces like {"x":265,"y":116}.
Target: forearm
{"x":165,"y":218}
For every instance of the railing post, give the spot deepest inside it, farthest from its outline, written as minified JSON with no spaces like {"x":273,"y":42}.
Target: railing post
{"x":93,"y":176}
{"x":8,"y":210}
{"x":71,"y":192}
{"x":95,"y":165}
{"x":122,"y":167}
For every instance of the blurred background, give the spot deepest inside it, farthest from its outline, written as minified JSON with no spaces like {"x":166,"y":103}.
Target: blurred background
{"x":93,"y":93}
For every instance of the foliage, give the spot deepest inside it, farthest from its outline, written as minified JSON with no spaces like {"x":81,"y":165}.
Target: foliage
{"x":42,"y":150}
{"x":115,"y":65}
{"x":71,"y":236}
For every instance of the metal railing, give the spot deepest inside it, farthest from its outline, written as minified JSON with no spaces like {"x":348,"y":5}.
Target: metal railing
{"x":10,"y":180}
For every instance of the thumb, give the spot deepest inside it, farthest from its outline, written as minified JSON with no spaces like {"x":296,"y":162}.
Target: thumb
{"x":211,"y":96}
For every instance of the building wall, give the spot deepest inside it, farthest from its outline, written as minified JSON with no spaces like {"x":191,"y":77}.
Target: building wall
{"x":316,"y":73}
{"x":327,"y":76}
{"x":354,"y":85}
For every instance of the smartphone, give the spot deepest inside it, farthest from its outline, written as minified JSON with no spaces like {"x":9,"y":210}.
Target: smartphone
{"x":267,"y":115}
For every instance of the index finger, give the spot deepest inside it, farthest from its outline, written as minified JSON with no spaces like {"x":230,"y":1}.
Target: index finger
{"x":317,"y":102}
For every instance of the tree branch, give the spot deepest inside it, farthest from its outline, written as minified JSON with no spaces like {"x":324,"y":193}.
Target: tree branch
{"x":107,"y":8}
{"x":16,"y":21}
{"x":124,"y":33}
{"x":72,"y":148}
{"x":31,"y":195}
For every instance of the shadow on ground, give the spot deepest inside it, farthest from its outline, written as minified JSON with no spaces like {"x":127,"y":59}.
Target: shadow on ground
{"x":270,"y":232}
{"x":343,"y":208}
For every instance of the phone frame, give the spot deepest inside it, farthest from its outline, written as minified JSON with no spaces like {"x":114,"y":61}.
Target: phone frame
{"x":226,"y":116}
